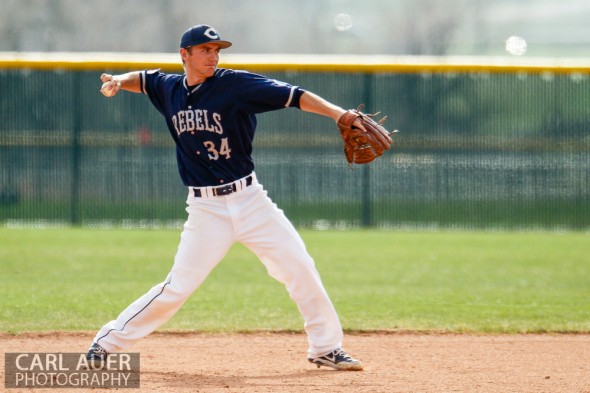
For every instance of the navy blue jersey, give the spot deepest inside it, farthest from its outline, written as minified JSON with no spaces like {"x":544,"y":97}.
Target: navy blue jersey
{"x":213,"y":124}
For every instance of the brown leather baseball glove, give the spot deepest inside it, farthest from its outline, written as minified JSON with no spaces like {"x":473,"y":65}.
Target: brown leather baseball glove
{"x":366,"y":140}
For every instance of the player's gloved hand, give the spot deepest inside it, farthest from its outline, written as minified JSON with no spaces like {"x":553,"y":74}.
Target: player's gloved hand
{"x":364,"y":138}
{"x":110,"y":85}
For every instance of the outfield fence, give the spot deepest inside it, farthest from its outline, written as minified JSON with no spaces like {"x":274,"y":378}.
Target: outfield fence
{"x":483,"y":143}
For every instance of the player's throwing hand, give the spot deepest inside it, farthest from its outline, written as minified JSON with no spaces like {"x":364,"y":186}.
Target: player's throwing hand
{"x":110,"y":85}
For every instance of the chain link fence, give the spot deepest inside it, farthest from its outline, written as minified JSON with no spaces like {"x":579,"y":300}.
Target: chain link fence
{"x":478,"y":148}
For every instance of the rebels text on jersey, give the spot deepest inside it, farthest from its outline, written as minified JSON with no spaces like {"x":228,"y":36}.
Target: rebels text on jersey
{"x":213,"y":124}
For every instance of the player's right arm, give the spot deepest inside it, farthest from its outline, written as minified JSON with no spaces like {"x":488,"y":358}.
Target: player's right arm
{"x":111,"y":84}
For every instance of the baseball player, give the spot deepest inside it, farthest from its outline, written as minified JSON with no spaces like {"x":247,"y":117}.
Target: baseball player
{"x":211,"y":115}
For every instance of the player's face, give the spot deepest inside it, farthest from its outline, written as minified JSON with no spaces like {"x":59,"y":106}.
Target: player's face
{"x":200,"y":62}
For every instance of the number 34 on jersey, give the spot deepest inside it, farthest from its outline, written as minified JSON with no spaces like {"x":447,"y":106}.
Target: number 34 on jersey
{"x":215,"y":152}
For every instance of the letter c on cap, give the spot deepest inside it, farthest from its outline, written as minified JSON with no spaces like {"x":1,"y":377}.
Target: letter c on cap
{"x":211,"y":33}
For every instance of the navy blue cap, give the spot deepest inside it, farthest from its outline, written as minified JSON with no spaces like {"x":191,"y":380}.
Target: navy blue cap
{"x":202,"y":34}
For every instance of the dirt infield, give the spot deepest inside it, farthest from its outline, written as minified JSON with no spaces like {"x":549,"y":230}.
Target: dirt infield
{"x":394,"y":362}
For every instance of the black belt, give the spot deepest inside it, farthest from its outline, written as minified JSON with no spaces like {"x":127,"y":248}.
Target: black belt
{"x":223,"y":190}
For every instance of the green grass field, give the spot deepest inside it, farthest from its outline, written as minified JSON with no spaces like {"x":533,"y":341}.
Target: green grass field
{"x":479,"y":282}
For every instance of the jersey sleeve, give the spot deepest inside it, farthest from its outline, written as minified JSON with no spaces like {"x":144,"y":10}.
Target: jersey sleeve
{"x":156,"y":85}
{"x":258,"y":93}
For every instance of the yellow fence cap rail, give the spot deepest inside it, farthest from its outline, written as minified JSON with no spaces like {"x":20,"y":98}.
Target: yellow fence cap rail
{"x":296,"y":62}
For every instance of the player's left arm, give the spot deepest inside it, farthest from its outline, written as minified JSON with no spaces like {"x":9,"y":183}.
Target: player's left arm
{"x":310,"y":102}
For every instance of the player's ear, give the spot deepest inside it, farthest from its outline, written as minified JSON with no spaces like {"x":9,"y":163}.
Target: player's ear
{"x":184,"y":53}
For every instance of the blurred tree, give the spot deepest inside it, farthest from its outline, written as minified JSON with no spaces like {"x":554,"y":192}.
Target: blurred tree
{"x":430,"y":25}
{"x":436,"y":103}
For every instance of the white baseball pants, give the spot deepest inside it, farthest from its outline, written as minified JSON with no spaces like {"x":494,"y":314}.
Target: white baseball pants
{"x":214,"y":223}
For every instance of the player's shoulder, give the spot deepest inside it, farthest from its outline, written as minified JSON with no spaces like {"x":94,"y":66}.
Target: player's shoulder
{"x":156,"y":73}
{"x":227,"y":73}
{"x":156,"y":77}
{"x":155,"y":80}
